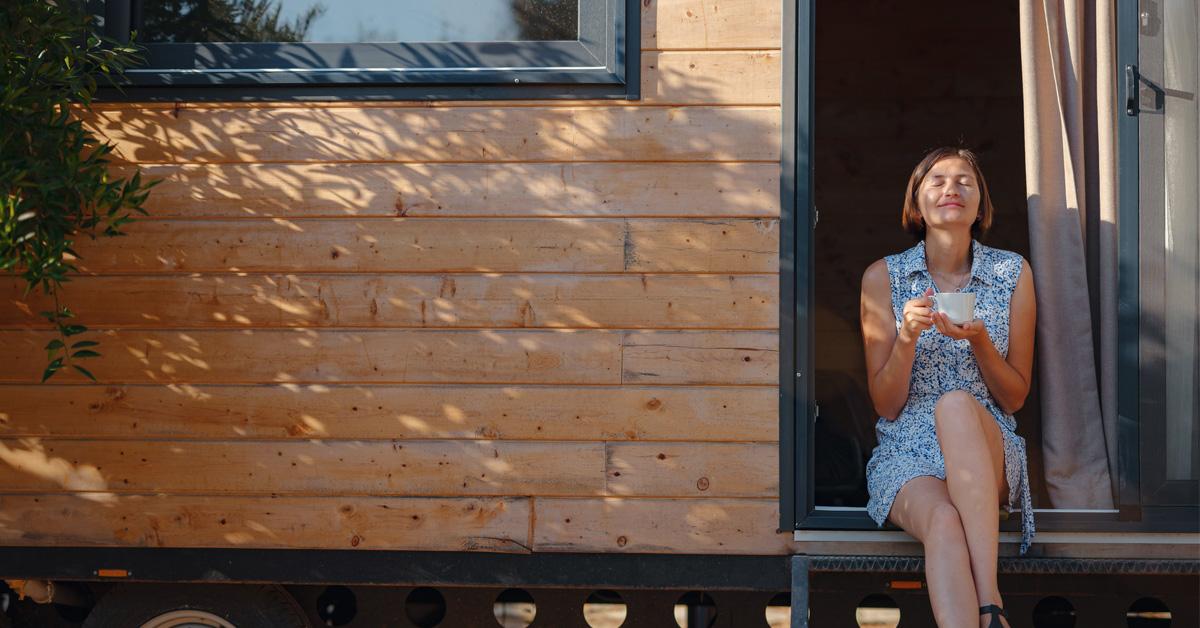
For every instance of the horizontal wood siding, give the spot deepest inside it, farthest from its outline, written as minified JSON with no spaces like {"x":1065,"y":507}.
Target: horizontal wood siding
{"x":443,"y":134}
{"x":205,"y":191}
{"x":482,"y":326}
{"x":393,"y":412}
{"x":492,"y":245}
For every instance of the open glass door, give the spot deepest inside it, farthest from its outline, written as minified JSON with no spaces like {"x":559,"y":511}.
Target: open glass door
{"x":1167,"y":113}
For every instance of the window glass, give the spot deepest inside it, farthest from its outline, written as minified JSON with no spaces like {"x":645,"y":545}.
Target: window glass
{"x":358,"y":21}
{"x":1181,"y":237}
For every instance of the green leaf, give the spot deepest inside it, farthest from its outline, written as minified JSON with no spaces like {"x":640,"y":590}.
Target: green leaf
{"x":85,"y":343}
{"x":85,"y":353}
{"x":72,"y":330}
{"x":51,"y":369}
{"x":84,"y":371}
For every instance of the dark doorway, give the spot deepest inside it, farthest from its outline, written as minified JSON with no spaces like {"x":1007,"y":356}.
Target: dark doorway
{"x":893,"y":80}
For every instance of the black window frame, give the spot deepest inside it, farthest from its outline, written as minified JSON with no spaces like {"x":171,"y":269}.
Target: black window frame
{"x":603,"y":63}
{"x":1134,"y":511}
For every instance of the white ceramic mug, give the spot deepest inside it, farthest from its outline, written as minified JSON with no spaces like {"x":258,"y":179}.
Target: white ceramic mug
{"x":959,"y":307}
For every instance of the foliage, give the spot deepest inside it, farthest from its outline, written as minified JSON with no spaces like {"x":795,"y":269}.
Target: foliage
{"x":546,"y":20}
{"x":224,"y":20}
{"x":55,"y":182}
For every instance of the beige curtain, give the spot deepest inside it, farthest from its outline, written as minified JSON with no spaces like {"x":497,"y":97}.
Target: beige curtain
{"x":1068,"y":49}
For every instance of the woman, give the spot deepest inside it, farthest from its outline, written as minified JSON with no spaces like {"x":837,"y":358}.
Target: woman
{"x":948,"y":452}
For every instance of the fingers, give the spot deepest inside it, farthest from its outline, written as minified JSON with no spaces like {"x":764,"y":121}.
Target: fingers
{"x":926,"y":320}
{"x":954,"y":330}
{"x":940,"y":324}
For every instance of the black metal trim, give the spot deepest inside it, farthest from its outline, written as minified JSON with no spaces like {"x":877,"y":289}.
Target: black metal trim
{"x":399,"y":568}
{"x":801,"y":568}
{"x":1153,"y":519}
{"x":787,"y":273}
{"x":1128,"y":303}
{"x":797,"y":288}
{"x":1053,"y":566}
{"x":401,"y":71}
{"x":367,"y":93}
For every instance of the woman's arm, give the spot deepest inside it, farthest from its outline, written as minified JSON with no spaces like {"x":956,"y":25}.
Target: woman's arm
{"x":889,"y":354}
{"x":1007,"y":379}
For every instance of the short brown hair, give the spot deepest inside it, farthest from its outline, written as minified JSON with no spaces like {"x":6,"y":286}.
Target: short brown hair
{"x":910,"y":216}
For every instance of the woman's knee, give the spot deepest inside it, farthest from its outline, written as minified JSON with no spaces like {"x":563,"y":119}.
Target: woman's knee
{"x":943,"y":524}
{"x":956,"y":407}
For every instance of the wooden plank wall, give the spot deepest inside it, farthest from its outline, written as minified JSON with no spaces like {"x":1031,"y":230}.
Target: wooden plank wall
{"x":512,"y":326}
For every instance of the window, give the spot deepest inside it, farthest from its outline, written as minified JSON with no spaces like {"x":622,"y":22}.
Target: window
{"x":428,"y":49}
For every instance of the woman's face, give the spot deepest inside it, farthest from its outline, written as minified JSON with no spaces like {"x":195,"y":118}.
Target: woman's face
{"x":949,"y":195}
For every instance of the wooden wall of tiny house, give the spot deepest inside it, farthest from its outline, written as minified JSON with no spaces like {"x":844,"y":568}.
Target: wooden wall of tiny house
{"x":494,"y":326}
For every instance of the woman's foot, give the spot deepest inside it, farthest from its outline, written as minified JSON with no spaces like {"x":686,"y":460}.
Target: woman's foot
{"x":992,"y":616}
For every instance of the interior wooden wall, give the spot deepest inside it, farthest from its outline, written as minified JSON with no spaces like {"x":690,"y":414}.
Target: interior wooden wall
{"x":494,"y":326}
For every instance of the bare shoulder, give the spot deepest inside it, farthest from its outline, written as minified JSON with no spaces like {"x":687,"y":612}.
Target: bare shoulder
{"x":1025,"y":277}
{"x":875,"y":276}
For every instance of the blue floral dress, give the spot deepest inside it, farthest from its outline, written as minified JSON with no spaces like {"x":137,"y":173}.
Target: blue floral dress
{"x":908,"y":446}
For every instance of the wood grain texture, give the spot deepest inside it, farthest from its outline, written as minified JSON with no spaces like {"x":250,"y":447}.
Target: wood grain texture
{"x":356,"y":245}
{"x":663,"y":357}
{"x":333,"y":468}
{"x":711,"y":24}
{"x":660,"y":526}
{"x":399,"y":301}
{"x":464,"y":190}
{"x":705,"y":77}
{"x":409,"y":245}
{"x":702,"y":246}
{"x":310,"y":356}
{"x":396,"y":523}
{"x":624,"y":413}
{"x":692,"y":469}
{"x":441,"y":134}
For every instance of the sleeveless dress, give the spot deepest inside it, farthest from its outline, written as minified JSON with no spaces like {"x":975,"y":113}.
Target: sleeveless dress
{"x":908,"y":446}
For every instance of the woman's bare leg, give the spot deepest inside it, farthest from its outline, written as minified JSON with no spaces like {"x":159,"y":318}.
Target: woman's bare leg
{"x":974,"y":452}
{"x":924,"y":510}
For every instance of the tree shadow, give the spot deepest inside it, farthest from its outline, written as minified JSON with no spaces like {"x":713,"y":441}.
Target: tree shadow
{"x":431,"y":310}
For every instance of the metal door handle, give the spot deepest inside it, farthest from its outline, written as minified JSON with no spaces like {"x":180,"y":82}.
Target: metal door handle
{"x":1131,"y":90}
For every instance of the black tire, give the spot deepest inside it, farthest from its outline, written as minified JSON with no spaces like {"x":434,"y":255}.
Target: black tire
{"x":243,"y":606}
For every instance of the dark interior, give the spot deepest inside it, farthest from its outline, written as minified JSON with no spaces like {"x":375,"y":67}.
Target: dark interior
{"x":894,"y":80}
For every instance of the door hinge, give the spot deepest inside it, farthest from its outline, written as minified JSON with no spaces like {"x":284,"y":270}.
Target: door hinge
{"x":816,"y":413}
{"x":816,"y":216}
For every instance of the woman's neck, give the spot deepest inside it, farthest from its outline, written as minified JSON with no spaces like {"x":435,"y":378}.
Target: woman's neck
{"x":947,"y":254}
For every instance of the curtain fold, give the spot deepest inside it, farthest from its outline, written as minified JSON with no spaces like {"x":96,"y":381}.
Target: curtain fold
{"x":1068,"y":51}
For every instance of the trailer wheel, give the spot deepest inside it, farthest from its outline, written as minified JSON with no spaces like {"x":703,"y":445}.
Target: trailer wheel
{"x":197,"y":606}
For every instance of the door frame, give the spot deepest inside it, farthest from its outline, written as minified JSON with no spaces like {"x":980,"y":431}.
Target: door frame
{"x":797,"y":412}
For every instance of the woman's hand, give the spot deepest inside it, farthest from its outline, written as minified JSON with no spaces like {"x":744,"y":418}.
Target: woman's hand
{"x":971,"y":330}
{"x":918,"y":316}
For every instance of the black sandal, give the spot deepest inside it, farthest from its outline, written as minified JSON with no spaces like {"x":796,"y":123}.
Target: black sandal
{"x":996,"y":612}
